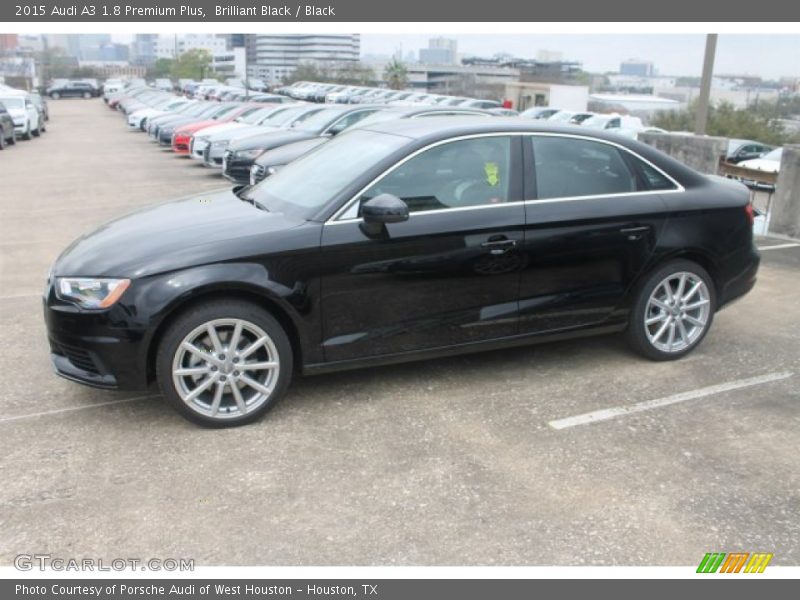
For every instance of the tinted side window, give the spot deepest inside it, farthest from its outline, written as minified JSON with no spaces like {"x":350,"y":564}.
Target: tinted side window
{"x":568,"y":167}
{"x":653,"y":179}
{"x":455,"y":175}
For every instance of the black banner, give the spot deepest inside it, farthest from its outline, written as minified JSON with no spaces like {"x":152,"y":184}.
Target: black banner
{"x":398,"y":11}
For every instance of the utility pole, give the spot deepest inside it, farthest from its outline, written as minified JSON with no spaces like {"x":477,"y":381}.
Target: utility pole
{"x":705,"y":84}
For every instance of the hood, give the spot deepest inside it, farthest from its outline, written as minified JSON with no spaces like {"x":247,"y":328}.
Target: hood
{"x":192,"y":127}
{"x":216,"y":129}
{"x":759,"y":164}
{"x":174,"y":235}
{"x":269,"y":139}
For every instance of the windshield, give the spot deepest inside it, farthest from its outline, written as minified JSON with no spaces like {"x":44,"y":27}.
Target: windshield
{"x":292,"y":190}
{"x":318,"y":122}
{"x":274,"y":116}
{"x":289,"y":116}
{"x":253,"y":116}
{"x":225,"y":110}
{"x":12,"y":102}
{"x":596,"y":122}
{"x":561,"y":117}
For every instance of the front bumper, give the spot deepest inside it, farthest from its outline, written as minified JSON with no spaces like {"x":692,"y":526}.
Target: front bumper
{"x":92,"y":348}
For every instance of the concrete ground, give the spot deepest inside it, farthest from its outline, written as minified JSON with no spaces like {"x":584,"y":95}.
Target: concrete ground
{"x":446,"y":462}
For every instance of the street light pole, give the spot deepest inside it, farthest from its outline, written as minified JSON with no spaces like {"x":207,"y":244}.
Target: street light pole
{"x":705,"y":85}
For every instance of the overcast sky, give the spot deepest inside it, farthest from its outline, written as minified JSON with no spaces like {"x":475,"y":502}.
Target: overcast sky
{"x":673,"y":54}
{"x":769,"y":56}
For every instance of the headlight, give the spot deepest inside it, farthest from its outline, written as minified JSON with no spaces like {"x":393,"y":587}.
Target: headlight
{"x":91,"y":293}
{"x":254,"y":153}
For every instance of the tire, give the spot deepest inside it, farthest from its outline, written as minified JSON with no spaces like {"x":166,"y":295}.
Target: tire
{"x":42,"y":126}
{"x":87,"y":95}
{"x":36,"y":132}
{"x":55,"y":95}
{"x":27,"y":135}
{"x":13,"y":139}
{"x":661,"y":330}
{"x":2,"y":140}
{"x":213,"y":371}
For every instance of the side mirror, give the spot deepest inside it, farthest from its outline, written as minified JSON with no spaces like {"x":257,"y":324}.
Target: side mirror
{"x":382,"y":210}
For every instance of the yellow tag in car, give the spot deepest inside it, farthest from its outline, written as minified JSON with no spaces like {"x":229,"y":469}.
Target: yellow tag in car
{"x":492,"y":173}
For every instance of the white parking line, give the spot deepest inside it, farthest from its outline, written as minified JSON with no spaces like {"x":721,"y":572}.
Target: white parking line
{"x":779,"y":246}
{"x":73,"y":408}
{"x":619,"y":411}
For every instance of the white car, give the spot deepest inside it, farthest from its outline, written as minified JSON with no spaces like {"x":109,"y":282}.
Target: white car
{"x":612,"y":121}
{"x":770,"y":162}
{"x":23,"y":112}
{"x":138,"y":118}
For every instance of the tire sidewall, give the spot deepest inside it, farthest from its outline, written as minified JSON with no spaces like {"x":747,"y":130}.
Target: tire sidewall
{"x":637,"y":336}
{"x":189,"y":320}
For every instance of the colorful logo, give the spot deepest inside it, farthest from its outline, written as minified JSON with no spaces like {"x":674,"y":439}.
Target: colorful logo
{"x":735,"y":562}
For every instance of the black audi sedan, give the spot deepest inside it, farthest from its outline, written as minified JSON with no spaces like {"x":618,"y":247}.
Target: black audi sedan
{"x":409,"y":239}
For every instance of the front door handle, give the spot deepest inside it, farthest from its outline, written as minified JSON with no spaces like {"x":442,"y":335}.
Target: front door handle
{"x":635,"y":232}
{"x":499,"y":246}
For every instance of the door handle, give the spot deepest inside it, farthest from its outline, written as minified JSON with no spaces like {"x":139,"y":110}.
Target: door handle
{"x":499,"y":246}
{"x":635,"y":232}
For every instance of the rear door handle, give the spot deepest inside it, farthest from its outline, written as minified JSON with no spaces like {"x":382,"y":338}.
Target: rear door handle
{"x":499,"y":246}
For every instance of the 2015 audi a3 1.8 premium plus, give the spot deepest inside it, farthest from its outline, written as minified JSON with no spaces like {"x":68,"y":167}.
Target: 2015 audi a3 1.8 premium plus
{"x":403,"y":240}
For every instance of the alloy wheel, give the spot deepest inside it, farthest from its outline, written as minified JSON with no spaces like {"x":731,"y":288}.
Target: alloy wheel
{"x":677,"y":312}
{"x":226,"y":368}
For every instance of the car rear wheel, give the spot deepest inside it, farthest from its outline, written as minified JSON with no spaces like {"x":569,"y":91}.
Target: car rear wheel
{"x":673,"y":311}
{"x":55,"y":95}
{"x":224,"y":363}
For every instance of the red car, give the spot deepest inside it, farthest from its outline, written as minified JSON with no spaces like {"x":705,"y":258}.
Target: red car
{"x":182,"y":138}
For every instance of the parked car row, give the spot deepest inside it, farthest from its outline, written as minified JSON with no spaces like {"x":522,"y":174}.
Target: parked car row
{"x":383,"y":233}
{"x":351,"y":94}
{"x":23,"y":115}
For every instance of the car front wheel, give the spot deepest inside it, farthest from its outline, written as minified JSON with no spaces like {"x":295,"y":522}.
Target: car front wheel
{"x":673,"y":311}
{"x":27,"y":135}
{"x":224,"y":363}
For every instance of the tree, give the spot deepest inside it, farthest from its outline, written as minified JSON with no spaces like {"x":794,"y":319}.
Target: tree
{"x":396,"y":75}
{"x":161,"y":68}
{"x":192,"y":64}
{"x":724,"y":120}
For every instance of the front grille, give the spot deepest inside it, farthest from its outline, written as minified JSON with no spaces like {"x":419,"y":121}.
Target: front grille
{"x":79,"y":357}
{"x":257,"y":173}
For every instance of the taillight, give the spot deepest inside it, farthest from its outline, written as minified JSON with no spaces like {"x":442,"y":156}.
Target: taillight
{"x":748,"y":211}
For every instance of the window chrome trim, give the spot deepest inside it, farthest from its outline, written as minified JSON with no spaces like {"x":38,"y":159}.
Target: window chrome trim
{"x":338,"y":216}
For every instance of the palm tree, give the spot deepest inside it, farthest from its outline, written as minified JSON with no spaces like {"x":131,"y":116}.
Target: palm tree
{"x":396,"y":75}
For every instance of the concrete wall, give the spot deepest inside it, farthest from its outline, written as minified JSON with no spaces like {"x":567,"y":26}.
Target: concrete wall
{"x":698,"y":152}
{"x":785,"y":211}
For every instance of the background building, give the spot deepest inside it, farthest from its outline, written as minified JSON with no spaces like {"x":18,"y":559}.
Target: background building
{"x":273,"y":57}
{"x":638,"y":68}
{"x":440,"y":51}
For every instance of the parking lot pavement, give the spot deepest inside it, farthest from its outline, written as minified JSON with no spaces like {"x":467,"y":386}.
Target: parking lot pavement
{"x":444,"y":462}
